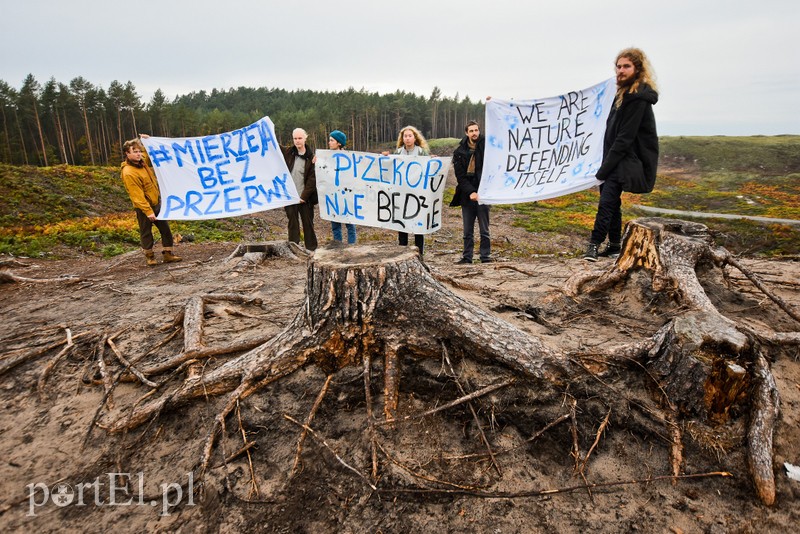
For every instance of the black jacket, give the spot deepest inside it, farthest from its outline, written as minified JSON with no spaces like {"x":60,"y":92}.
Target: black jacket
{"x":467,"y":185}
{"x":309,"y":192}
{"x":630,"y":145}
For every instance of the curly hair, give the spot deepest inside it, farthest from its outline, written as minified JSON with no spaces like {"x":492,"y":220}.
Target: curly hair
{"x":128,"y":145}
{"x":419,"y":139}
{"x":644,"y":73}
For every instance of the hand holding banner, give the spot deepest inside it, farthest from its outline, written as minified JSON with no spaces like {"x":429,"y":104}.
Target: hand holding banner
{"x":544,"y":148}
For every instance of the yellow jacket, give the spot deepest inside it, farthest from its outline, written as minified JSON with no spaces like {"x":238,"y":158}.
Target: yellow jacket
{"x":141,"y":184}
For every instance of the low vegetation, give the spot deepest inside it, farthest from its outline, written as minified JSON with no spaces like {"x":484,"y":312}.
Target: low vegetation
{"x":61,"y":210}
{"x":729,"y":175}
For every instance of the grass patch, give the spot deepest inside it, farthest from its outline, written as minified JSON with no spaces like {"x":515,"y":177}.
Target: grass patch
{"x":571,"y":214}
{"x":47,"y":195}
{"x":778,"y":154}
{"x":107,"y":236}
{"x":444,"y":146}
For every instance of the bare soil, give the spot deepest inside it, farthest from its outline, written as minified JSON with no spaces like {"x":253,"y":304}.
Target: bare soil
{"x":42,"y":436}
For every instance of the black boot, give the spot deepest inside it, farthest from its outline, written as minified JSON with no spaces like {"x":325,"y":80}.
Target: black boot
{"x":591,"y":252}
{"x":612,"y":250}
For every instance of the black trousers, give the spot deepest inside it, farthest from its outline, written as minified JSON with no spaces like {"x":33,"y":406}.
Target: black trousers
{"x":146,"y":229}
{"x":305,"y":212}
{"x":419,"y":240}
{"x":608,"y":221}
{"x":470,"y":211}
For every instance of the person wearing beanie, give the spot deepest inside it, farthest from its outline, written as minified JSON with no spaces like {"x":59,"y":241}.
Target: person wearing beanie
{"x":337,"y":141}
{"x":340,"y":138}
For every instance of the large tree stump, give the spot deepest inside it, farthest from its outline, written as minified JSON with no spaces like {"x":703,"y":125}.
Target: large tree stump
{"x":372,"y":300}
{"x":365,"y":303}
{"x":702,"y":362}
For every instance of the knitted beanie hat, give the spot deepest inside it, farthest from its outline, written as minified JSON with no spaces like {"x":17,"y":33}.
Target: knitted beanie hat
{"x":340,"y":137}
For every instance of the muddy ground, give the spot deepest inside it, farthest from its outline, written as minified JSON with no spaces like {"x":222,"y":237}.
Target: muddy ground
{"x":43,"y":433}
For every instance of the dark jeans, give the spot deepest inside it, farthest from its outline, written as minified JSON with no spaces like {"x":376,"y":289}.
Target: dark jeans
{"x":305,"y":212}
{"x":608,"y":221}
{"x":419,"y":240}
{"x":470,"y":211}
{"x":336,"y":230}
{"x":146,"y":229}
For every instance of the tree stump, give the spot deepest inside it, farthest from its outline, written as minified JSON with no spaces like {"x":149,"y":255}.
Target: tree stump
{"x":364,"y":301}
{"x":367,"y":302}
{"x":705,"y":363}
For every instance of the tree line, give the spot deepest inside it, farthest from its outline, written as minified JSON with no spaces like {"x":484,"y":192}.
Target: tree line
{"x":80,"y":123}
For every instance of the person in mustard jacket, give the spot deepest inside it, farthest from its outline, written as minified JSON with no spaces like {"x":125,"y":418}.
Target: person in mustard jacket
{"x":140,"y":182}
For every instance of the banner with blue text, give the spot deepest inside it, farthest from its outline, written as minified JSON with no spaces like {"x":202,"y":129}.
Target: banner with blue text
{"x":402,"y":193}
{"x":544,"y":148}
{"x":223,"y":175}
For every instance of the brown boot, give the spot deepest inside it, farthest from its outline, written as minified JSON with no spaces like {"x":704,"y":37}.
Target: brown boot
{"x":151,"y":258}
{"x":168,"y":257}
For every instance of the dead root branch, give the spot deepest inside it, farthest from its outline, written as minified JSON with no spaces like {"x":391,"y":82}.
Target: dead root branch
{"x":51,"y":365}
{"x":7,"y":277}
{"x":324,"y":443}
{"x":542,"y":493}
{"x":310,"y":419}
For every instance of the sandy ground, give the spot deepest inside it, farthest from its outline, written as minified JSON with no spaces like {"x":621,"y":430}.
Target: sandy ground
{"x":42,"y":433}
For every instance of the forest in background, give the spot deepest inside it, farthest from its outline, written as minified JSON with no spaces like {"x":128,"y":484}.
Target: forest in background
{"x":79,"y":123}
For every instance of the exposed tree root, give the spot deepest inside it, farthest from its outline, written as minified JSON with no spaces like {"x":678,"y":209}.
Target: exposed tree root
{"x":19,"y":356}
{"x":703,"y":364}
{"x":255,"y":253}
{"x":7,"y":277}
{"x":759,"y":436}
{"x":364,"y":302}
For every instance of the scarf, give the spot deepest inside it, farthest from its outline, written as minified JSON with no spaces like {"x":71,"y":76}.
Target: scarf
{"x":472,"y":146}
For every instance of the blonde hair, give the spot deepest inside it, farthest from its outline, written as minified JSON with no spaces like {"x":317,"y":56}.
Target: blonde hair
{"x":419,"y":139}
{"x":644,"y":73}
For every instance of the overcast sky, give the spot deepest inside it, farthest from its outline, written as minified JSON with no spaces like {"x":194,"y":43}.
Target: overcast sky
{"x":727,"y":67}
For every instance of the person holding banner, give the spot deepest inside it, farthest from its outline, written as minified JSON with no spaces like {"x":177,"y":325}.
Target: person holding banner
{"x":468,"y":164}
{"x":337,"y":141}
{"x":411,"y":142}
{"x":140,"y":181}
{"x":300,"y":162}
{"x":630,"y":150}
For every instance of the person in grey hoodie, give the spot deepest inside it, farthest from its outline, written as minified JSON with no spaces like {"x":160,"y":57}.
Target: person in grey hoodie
{"x":630,"y":149}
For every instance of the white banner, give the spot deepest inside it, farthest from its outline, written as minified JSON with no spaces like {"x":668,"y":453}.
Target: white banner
{"x":403,"y":193}
{"x":544,"y":148}
{"x":224,"y":175}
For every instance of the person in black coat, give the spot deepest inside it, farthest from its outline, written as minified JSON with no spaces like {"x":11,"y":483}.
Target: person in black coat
{"x":468,"y":164}
{"x":630,"y":150}
{"x":300,"y":161}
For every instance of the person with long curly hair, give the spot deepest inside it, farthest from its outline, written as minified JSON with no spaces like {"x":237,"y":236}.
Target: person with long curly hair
{"x":410,"y":142}
{"x":630,"y":150}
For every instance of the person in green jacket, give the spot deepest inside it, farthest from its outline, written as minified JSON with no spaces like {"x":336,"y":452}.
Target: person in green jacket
{"x":140,"y":182}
